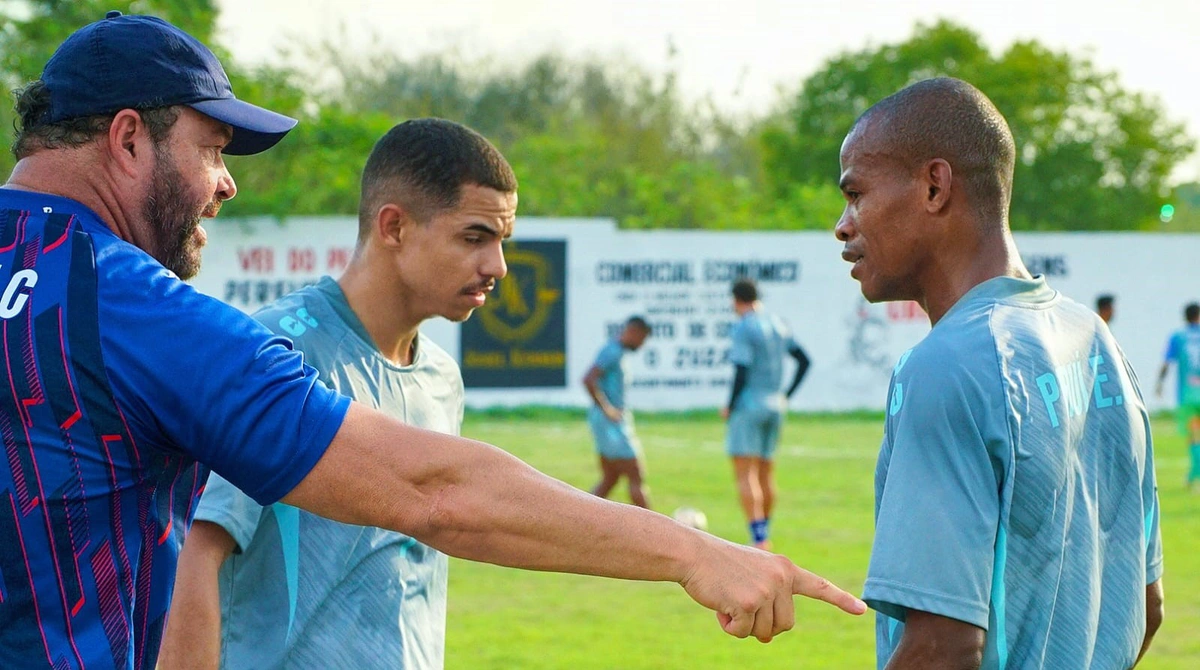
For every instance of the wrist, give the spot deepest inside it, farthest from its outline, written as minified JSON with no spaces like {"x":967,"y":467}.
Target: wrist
{"x":685,"y":555}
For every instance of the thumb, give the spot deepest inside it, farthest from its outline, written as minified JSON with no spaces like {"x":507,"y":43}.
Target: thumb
{"x":737,"y":625}
{"x":814,"y":586}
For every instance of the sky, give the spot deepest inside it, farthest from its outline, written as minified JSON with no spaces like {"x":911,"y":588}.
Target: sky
{"x":741,"y":53}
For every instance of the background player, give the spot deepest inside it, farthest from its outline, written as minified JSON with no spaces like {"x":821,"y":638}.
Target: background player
{"x":1183,"y":349}
{"x":611,"y":420}
{"x":298,"y":590}
{"x":756,"y":406}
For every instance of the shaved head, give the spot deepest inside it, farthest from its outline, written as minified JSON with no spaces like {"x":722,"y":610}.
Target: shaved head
{"x":949,"y":119}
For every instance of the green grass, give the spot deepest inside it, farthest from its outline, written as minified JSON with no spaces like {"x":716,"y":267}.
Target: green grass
{"x":500,"y":618}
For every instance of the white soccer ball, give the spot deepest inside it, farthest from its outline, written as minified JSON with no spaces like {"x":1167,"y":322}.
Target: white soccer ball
{"x":692,"y":517}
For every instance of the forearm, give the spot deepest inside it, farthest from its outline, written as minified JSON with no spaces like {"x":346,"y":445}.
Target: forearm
{"x":597,"y":396}
{"x":474,"y":501}
{"x":802,"y":364}
{"x":192,"y":639}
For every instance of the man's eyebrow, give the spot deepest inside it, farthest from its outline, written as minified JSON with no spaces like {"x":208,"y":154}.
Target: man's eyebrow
{"x":483,"y":228}
{"x":226,"y":132}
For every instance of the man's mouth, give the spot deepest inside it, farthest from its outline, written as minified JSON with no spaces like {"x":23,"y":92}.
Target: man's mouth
{"x":479,"y":293}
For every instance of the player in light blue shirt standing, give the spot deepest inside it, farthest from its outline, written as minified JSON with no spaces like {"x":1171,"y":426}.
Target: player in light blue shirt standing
{"x":757,"y":403}
{"x":1016,"y":514}
{"x":611,"y":420}
{"x":300,"y":591}
{"x":1183,"y":349}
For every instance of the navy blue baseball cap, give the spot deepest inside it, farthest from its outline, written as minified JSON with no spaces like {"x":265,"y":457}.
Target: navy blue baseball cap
{"x":138,"y":62}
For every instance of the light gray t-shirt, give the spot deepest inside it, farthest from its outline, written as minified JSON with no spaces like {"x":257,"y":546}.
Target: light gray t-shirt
{"x":760,"y":342}
{"x":302,"y":591}
{"x":1015,"y":487}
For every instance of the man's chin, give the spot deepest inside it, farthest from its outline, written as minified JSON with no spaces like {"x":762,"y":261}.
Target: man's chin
{"x":458,"y":316}
{"x":188,"y":266}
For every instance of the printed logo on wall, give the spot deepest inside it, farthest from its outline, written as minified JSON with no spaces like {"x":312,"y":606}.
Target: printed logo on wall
{"x":518,"y":339}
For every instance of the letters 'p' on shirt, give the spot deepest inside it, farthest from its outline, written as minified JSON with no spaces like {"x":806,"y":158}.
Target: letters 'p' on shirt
{"x":1015,"y":488}
{"x":120,"y":379}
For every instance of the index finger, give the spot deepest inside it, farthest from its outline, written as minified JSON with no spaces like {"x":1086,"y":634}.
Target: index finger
{"x":815,"y":586}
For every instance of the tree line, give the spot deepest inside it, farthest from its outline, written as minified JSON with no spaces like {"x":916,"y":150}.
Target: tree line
{"x":611,"y":138}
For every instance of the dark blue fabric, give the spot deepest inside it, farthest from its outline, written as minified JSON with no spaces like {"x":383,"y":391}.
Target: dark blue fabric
{"x":118,"y":379}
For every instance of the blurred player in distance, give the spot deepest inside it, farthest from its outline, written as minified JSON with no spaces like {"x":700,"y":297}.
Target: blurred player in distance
{"x":610,"y":419}
{"x":1183,"y":350}
{"x":1016,"y":518}
{"x":756,"y":408}
{"x":1105,"y":305}
{"x":136,"y":379}
{"x":437,"y":202}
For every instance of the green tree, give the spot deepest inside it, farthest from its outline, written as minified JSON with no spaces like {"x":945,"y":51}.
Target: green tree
{"x":1090,"y":154}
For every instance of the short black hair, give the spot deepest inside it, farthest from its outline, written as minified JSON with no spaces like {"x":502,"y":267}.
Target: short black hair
{"x":1192,"y":312}
{"x":34,"y":133}
{"x":950,"y":119}
{"x":638,"y":322}
{"x":422,"y":165}
{"x":745,"y":290}
{"x":1104,"y":301}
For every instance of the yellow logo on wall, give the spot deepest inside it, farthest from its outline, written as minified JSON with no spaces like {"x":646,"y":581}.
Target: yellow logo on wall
{"x":525,"y":298}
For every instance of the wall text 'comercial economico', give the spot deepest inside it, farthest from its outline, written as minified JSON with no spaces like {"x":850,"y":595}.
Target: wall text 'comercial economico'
{"x":688,"y":272}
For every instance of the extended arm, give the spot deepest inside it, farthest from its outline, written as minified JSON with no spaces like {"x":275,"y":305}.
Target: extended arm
{"x":192,"y":639}
{"x":802,"y":364}
{"x":933,"y":642}
{"x":591,"y":382}
{"x":474,"y":501}
{"x":1154,"y":615}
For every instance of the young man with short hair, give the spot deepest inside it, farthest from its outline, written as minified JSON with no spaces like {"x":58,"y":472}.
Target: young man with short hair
{"x":297,"y":590}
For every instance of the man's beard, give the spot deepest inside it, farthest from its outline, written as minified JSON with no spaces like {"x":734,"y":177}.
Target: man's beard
{"x":175,"y":217}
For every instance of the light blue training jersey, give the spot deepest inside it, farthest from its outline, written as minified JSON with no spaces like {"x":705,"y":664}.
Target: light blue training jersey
{"x":305,"y":592}
{"x":1183,"y":349}
{"x":1015,"y":487}
{"x":760,"y":342}
{"x":611,"y":361}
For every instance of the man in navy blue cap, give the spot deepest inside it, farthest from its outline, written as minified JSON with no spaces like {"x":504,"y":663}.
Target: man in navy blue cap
{"x":125,"y":385}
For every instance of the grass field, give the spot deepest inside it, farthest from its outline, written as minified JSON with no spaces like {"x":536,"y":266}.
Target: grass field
{"x":508,"y":619}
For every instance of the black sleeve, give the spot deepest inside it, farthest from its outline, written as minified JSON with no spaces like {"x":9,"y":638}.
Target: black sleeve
{"x":802,"y":364}
{"x":739,"y":383}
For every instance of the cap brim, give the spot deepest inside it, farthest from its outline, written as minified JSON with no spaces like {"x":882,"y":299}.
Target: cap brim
{"x":254,"y":129}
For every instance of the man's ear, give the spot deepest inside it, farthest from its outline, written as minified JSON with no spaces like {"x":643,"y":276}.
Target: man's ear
{"x":128,"y":142}
{"x":938,"y":178}
{"x":392,"y":223}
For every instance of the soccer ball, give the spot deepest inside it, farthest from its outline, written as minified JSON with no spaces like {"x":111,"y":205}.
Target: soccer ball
{"x":691,"y":517}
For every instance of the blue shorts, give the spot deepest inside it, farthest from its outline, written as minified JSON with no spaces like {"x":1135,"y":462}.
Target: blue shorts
{"x":753,"y":433}
{"x":614,"y":440}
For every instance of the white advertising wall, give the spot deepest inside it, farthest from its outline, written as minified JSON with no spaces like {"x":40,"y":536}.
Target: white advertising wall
{"x":546,"y":326}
